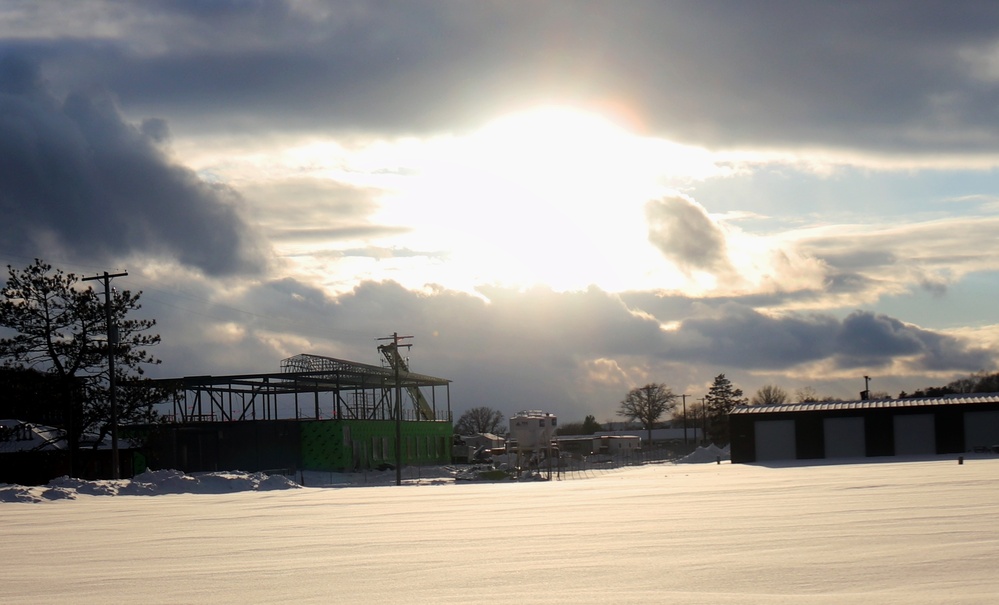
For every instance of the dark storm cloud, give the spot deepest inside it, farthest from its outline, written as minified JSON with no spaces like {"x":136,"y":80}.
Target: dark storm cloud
{"x":685,"y":234}
{"x":530,"y":349}
{"x":891,"y":75}
{"x":866,"y":339}
{"x":732,"y":335}
{"x":736,"y":336}
{"x":75,"y":179}
{"x":520,"y":350}
{"x":539,"y":336}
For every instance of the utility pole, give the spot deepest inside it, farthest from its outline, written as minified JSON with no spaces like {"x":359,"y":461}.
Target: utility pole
{"x":704,"y":419}
{"x":684,"y":396}
{"x":112,"y":331}
{"x":397,"y":362}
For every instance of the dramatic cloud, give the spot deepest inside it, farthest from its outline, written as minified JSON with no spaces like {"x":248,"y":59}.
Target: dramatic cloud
{"x":311,"y":209}
{"x":867,"y":340}
{"x":570,"y":353}
{"x":76,"y":180}
{"x":686,"y":235}
{"x":897,"y":76}
{"x":873,"y":260}
{"x":739,"y":337}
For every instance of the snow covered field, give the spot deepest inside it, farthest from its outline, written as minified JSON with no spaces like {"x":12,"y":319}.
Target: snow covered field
{"x":923,"y":531}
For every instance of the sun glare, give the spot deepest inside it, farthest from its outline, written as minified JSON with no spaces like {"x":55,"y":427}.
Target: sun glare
{"x":550,"y":196}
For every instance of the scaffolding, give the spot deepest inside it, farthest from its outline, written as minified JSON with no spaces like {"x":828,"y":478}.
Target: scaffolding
{"x":308,"y":387}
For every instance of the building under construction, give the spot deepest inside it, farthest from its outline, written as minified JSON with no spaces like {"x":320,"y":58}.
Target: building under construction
{"x":316,"y":413}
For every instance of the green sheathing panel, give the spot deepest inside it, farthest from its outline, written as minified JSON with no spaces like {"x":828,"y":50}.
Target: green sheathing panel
{"x":323,"y":446}
{"x":348,"y":444}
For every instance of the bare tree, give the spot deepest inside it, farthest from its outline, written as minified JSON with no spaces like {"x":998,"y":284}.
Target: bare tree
{"x":769,"y":394}
{"x":694,"y":419}
{"x":806,"y":394}
{"x":647,"y":405}
{"x":479,"y":420}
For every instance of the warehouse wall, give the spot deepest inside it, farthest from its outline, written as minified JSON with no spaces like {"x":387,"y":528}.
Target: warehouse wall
{"x":863,"y":432}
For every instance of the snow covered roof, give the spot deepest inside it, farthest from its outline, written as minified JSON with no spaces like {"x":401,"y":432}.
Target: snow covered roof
{"x":20,"y":436}
{"x":814,"y":406}
{"x":482,"y":439}
{"x":657,"y":434}
{"x":489,"y":436}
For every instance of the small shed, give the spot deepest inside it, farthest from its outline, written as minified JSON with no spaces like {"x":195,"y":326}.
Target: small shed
{"x":616,"y":445}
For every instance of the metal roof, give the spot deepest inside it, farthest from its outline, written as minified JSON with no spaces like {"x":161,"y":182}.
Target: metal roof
{"x":817,"y":406}
{"x":306,"y":373}
{"x":312,"y":365}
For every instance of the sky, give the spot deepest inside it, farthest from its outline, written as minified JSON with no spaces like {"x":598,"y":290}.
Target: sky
{"x":912,"y":532}
{"x":558,"y":201}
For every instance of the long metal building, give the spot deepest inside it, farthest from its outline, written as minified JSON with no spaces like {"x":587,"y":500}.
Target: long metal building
{"x":857,"y":429}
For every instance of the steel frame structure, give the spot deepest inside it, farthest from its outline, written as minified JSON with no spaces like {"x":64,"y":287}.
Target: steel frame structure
{"x":353,"y":391}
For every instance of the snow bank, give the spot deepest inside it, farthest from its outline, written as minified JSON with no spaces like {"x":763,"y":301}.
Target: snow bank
{"x":703,"y":454}
{"x":153,"y":483}
{"x":149,"y":483}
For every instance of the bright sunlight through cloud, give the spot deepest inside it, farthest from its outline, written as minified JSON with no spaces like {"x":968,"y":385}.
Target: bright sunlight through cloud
{"x":550,"y":196}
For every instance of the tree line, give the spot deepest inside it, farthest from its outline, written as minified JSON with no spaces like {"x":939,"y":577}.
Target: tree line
{"x":647,"y":405}
{"x":979,"y":382}
{"x":650,"y":404}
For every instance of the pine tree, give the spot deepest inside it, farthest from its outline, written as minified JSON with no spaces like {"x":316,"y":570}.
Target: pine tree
{"x":60,"y":329}
{"x":722,"y":398}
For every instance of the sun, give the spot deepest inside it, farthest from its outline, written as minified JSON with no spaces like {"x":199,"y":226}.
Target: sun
{"x":551,"y":195}
{"x":557,"y":149}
